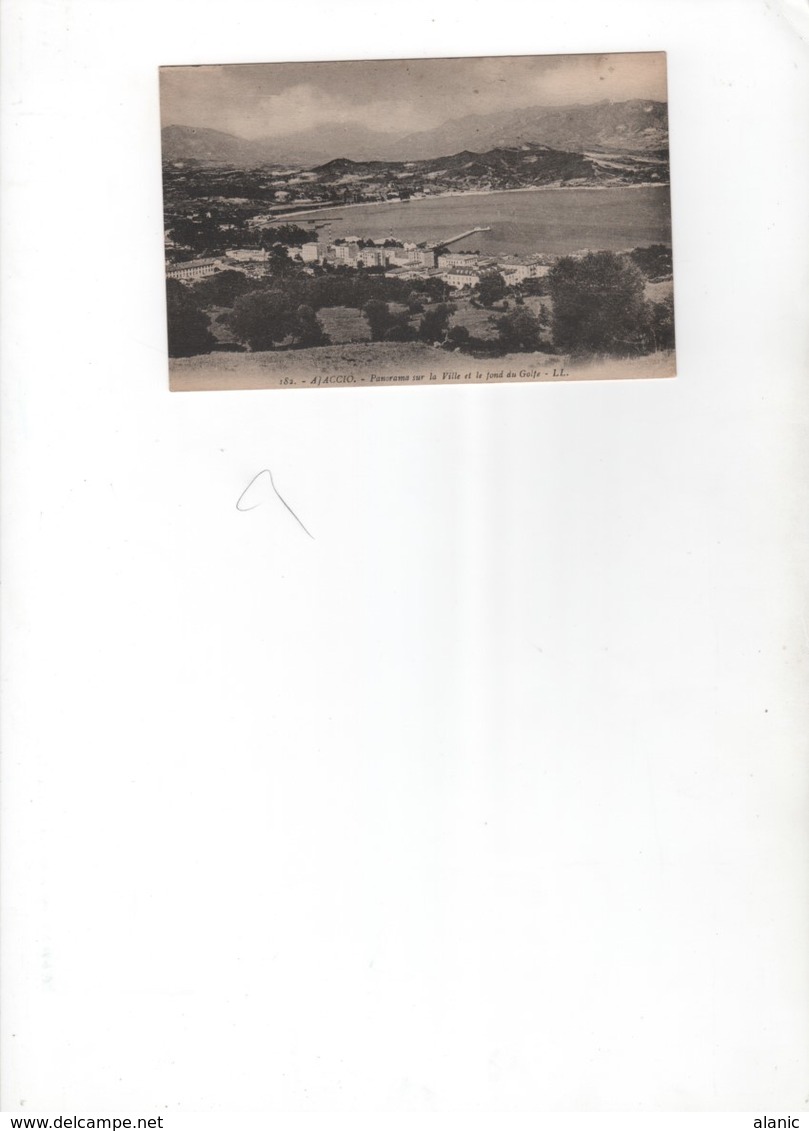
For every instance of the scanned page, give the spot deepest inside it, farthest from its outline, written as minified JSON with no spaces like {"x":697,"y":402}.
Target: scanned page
{"x":401,"y":752}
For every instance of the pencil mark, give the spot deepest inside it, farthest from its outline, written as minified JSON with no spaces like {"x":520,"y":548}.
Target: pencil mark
{"x":266,"y":471}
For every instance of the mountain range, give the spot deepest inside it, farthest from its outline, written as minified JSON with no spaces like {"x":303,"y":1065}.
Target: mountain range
{"x":537,"y":164}
{"x":636,"y":126}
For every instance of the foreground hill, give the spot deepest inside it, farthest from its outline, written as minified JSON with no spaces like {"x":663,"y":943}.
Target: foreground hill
{"x":266,"y":370}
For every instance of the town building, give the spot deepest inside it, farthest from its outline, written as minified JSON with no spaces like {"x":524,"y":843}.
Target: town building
{"x":399,"y":257}
{"x":374,"y":256}
{"x":456,"y":259}
{"x":461,"y":277}
{"x":344,"y":252}
{"x":522,"y":267}
{"x":193,"y":269}
{"x":423,"y":256}
{"x":412,"y":272}
{"x":247,"y":254}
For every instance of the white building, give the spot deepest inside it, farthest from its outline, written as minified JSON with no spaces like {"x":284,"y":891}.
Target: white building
{"x":309,"y":253}
{"x":423,"y":256}
{"x":520,"y":268}
{"x":456,"y":259}
{"x":462,"y":277}
{"x":193,"y":269}
{"x":345,"y":252}
{"x":374,"y":256}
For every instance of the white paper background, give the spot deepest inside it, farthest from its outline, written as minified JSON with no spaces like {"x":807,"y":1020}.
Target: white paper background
{"x":493,"y":795}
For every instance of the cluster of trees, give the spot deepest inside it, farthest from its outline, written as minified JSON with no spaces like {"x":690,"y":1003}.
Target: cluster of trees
{"x":491,"y":288}
{"x":362,"y":242}
{"x":213,"y":230}
{"x":283,"y":308}
{"x":266,"y":318}
{"x":521,"y":331}
{"x":517,"y":330}
{"x":288,"y":235}
{"x":396,"y":326}
{"x":655,"y":261}
{"x":222,"y":289}
{"x":386,"y":325}
{"x":598,"y":305}
{"x":345,"y":287}
{"x":206,"y":234}
{"x":188,"y":325}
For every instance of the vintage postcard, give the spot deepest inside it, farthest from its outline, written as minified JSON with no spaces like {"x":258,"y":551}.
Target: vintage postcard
{"x":416,"y":222}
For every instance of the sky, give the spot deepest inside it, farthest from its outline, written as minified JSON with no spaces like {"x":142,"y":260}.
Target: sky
{"x":395,"y":96}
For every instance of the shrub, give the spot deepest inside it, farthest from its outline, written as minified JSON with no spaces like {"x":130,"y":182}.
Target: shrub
{"x":188,"y":325}
{"x":223,"y":288}
{"x":519,"y":330}
{"x":263,"y":318}
{"x":491,"y":288}
{"x":435,"y":322}
{"x":458,"y":337}
{"x":378,"y":317}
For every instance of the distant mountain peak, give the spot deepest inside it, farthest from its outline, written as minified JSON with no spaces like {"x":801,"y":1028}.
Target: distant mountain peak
{"x":636,"y":125}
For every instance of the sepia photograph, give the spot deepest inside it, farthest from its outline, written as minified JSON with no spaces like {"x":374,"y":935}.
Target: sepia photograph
{"x":433,"y":221}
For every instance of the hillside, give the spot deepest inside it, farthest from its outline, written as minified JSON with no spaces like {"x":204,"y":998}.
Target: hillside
{"x":535,"y":164}
{"x":195,"y":143}
{"x":361,"y":359}
{"x":636,"y":126}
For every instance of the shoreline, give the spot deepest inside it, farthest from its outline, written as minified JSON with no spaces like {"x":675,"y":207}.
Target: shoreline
{"x":287,"y":216}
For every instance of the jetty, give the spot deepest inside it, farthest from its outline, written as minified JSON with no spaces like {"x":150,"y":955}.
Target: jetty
{"x":455,"y":239}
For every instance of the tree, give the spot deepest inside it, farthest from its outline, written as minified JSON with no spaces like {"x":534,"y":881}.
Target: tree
{"x":289,"y":234}
{"x":599,"y":305}
{"x":188,"y":325}
{"x":379,"y":318}
{"x":435,"y":322}
{"x":662,"y":324}
{"x":308,"y":329}
{"x":436,"y":289}
{"x":654,"y":261}
{"x":458,"y":337}
{"x":278,"y":261}
{"x":491,"y":288}
{"x":223,"y":288}
{"x":519,"y":330}
{"x":534,"y":285}
{"x":400,"y":329}
{"x":263,"y":318}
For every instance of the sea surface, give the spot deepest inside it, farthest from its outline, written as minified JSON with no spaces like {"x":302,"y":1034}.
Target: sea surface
{"x":557,"y":221}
